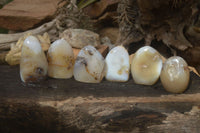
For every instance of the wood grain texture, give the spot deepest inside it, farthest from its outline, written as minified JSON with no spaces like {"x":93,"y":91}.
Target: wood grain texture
{"x":70,"y":106}
{"x":21,"y":15}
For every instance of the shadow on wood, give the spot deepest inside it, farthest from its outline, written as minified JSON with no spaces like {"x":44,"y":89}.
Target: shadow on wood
{"x":70,"y":106}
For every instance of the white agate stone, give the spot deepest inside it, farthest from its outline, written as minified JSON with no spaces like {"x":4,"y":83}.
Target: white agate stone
{"x":117,"y":65}
{"x":33,"y":62}
{"x":146,"y":66}
{"x":89,"y":65}
{"x":61,"y":60}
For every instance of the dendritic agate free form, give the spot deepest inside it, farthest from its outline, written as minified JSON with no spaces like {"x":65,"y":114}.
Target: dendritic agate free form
{"x":146,"y":66}
{"x":117,"y":65}
{"x":89,"y":65}
{"x":61,"y":60}
{"x":33,"y":62}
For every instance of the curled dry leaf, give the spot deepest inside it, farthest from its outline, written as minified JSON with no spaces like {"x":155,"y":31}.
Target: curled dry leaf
{"x":197,"y":29}
{"x":194,"y":70}
{"x":14,"y":55}
{"x":44,"y":41}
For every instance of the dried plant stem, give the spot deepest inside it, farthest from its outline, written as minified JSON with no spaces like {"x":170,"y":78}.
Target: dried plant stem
{"x":83,"y":3}
{"x":7,"y":39}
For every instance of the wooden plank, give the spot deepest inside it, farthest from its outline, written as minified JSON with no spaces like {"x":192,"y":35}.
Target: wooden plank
{"x":26,"y":14}
{"x":70,"y":106}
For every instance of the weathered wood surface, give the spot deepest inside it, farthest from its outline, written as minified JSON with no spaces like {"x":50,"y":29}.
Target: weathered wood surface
{"x":70,"y":106}
{"x":21,"y":15}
